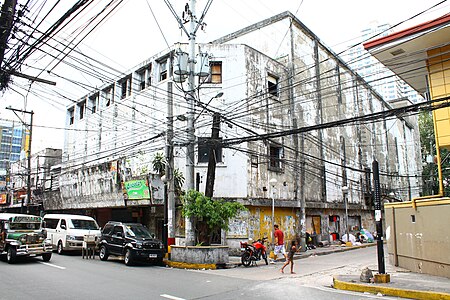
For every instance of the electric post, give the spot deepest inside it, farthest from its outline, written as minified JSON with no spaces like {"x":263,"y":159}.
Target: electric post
{"x":211,"y":175}
{"x":190,"y":184}
{"x":381,"y":276}
{"x":169,"y":205}
{"x":30,"y":126}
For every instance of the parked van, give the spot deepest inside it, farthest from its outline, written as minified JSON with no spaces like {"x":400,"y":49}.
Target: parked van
{"x":67,"y":232}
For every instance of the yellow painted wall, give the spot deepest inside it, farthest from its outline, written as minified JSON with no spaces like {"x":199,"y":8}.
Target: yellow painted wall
{"x":257,"y":223}
{"x":439,"y":81}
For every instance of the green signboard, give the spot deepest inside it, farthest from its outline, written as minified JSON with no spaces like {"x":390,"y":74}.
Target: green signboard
{"x":137,"y":189}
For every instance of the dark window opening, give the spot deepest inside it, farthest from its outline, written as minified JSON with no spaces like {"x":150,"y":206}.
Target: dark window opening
{"x":163,"y":70}
{"x":93,"y":103}
{"x":71,"y":116}
{"x":125,"y":87}
{"x":275,"y":155}
{"x":272,"y":85}
{"x":204,"y":145}
{"x":109,"y":95}
{"x":144,"y":77}
{"x":81,"y":108}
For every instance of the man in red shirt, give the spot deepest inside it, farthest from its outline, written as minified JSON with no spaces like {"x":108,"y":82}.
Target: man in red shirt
{"x":279,"y":242}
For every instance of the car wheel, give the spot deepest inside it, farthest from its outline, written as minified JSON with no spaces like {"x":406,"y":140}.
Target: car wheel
{"x":103,"y":253}
{"x":11,"y":255}
{"x":128,"y":258}
{"x":60,"y":248}
{"x":46,"y":256}
{"x":160,"y":262}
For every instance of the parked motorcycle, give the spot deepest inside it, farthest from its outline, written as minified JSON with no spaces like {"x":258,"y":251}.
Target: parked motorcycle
{"x":253,"y":252}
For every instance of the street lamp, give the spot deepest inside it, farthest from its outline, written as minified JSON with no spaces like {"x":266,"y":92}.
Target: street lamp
{"x":204,"y":106}
{"x":344,"y":195}
{"x":273,"y":183}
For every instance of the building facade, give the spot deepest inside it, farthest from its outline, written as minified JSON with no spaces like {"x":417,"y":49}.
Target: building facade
{"x":13,"y":138}
{"x":385,"y":82}
{"x":287,"y":137}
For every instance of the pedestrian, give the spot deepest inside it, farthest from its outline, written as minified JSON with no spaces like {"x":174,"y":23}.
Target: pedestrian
{"x":290,"y":257}
{"x":279,"y":242}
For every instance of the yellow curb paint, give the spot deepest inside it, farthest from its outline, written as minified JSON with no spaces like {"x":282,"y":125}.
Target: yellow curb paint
{"x":374,"y":289}
{"x":183,"y":265}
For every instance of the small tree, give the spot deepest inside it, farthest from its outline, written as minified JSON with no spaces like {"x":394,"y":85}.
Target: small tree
{"x":208,"y":214}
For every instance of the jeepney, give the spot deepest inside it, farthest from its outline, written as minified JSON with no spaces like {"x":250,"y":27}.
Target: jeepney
{"x":22,"y":235}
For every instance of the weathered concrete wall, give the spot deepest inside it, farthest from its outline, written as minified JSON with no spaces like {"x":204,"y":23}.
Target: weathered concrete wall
{"x":418,"y":238}
{"x":200,"y":254}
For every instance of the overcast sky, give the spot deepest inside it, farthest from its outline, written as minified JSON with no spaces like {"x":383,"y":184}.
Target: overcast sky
{"x":131,"y":35}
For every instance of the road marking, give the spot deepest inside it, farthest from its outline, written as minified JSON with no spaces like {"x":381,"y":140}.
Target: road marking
{"x":52,"y":265}
{"x":171,"y":297}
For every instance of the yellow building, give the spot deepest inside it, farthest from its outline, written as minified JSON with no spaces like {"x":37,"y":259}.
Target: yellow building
{"x":417,"y":231}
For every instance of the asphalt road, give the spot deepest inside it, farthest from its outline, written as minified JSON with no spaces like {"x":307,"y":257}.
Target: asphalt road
{"x":71,"y":277}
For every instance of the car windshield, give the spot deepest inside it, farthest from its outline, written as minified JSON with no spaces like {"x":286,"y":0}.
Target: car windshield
{"x":25,"y":226}
{"x":138,"y":231}
{"x":84,"y":224}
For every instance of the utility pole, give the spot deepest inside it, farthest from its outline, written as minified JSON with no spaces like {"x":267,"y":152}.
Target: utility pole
{"x":169,"y":205}
{"x":30,"y":126}
{"x":189,"y":232}
{"x":6,"y":22}
{"x":190,"y":99}
{"x":378,"y":218}
{"x":211,"y":175}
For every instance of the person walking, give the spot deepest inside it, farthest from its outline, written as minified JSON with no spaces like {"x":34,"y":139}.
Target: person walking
{"x":279,"y":242}
{"x":290,"y":257}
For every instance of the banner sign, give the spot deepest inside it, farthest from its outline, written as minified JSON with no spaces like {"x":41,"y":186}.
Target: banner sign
{"x":137,"y":189}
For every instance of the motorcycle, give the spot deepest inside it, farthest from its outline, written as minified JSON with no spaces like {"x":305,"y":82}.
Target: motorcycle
{"x":253,"y":252}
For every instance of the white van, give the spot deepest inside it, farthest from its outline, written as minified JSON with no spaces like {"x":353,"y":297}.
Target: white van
{"x":67,"y":231}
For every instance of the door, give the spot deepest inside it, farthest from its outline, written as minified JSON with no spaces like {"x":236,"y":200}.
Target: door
{"x":62,"y":232}
{"x":117,"y":240}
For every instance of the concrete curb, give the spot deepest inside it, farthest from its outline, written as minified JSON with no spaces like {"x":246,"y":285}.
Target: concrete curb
{"x":184,"y":265}
{"x":389,"y":291}
{"x":336,"y":250}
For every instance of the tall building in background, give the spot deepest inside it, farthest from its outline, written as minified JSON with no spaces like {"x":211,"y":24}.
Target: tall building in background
{"x":385,"y":82}
{"x":12,"y":139}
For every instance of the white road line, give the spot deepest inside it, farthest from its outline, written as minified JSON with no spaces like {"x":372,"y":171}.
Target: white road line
{"x":171,"y":297}
{"x":52,"y":265}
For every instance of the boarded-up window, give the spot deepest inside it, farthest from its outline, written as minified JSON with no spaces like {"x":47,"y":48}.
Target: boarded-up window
{"x":216,"y":72}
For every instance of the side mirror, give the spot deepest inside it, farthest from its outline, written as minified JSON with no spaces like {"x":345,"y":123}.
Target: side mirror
{"x":153,"y":235}
{"x":63,"y":226}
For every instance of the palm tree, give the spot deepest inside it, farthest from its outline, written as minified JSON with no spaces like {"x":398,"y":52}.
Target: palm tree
{"x":159,"y":163}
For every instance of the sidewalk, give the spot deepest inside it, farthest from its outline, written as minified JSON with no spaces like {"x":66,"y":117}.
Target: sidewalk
{"x":403,"y":283}
{"x":236,"y":260}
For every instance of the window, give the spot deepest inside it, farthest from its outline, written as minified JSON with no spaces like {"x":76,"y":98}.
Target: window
{"x":51,"y":223}
{"x":81,"y":108}
{"x":272,"y":85}
{"x":125,"y":85}
{"x":93,"y":100}
{"x":275,"y":154}
{"x":204,"y":145}
{"x":109,"y":95}
{"x":71,"y":115}
{"x":144,"y":77}
{"x":216,"y":72}
{"x":163,"y":70}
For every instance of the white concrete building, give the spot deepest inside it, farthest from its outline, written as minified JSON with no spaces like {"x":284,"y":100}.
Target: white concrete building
{"x":284,"y":96}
